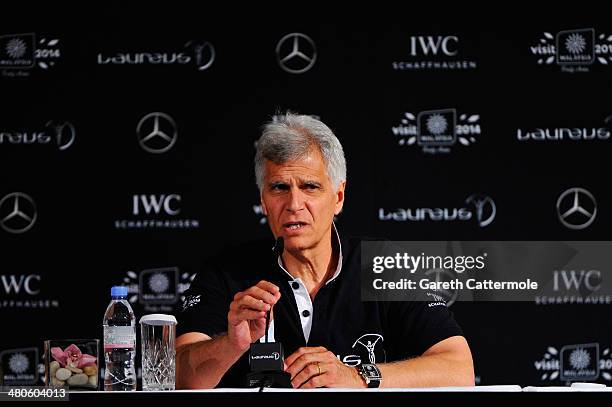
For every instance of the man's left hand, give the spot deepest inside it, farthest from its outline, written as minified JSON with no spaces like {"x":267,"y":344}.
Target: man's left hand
{"x":317,"y":367}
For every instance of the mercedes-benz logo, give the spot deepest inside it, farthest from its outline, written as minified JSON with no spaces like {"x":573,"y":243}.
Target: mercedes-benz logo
{"x":203,"y":53}
{"x":296,"y":53}
{"x":576,"y":208}
{"x":17,"y":212}
{"x":63,"y":132}
{"x":156,"y":132}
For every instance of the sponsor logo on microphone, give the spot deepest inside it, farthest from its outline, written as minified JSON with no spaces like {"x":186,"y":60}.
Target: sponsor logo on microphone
{"x":273,"y":356}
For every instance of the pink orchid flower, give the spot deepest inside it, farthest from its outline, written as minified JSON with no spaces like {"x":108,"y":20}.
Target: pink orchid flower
{"x":72,"y":357}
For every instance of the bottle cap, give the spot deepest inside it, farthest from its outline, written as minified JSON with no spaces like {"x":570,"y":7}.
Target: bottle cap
{"x":119,"y":291}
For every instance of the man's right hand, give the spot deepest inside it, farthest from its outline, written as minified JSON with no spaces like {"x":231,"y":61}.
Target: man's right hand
{"x":246,"y":319}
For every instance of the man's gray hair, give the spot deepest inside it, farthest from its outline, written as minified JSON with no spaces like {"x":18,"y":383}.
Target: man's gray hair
{"x":291,"y":136}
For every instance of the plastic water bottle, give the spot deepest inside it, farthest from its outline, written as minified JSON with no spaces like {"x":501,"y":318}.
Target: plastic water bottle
{"x":119,"y":343}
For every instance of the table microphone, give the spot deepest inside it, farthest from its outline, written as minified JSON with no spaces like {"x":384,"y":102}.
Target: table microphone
{"x":267,"y":359}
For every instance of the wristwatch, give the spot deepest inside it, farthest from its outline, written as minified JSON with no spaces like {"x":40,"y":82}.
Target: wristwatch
{"x":371,"y":375}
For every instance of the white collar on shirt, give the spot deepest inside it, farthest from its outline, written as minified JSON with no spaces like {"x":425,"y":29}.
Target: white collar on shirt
{"x":338,"y":267}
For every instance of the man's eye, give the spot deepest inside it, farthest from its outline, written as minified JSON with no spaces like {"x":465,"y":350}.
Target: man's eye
{"x":311,"y":186}
{"x":279,"y":187}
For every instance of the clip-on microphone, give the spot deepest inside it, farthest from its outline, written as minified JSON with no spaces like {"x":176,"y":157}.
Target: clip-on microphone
{"x":267,"y":359}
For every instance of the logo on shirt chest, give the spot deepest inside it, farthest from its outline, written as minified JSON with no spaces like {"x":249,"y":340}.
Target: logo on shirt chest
{"x":368,"y":348}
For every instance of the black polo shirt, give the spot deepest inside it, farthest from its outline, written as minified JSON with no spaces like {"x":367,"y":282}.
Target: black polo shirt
{"x":355,"y":331}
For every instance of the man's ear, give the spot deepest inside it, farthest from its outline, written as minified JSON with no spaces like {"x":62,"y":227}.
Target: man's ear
{"x":263,"y":205}
{"x":340,"y":198}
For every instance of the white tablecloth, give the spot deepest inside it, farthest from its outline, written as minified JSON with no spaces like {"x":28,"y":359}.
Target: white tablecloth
{"x":576,"y":387}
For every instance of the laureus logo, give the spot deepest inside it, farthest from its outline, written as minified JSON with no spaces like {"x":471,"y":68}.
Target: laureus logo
{"x":483,"y":212}
{"x":484,"y":207}
{"x":568,"y":133}
{"x":58,"y":133}
{"x":372,"y":346}
{"x":198,"y":53}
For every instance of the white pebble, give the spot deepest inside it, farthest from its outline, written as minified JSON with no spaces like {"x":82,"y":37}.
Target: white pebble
{"x":63,"y":374}
{"x":78,"y":379}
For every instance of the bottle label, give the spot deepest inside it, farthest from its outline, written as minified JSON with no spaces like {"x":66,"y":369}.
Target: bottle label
{"x":119,"y":337}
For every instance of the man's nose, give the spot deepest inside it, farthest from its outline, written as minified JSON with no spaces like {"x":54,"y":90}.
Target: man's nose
{"x":296,"y":201}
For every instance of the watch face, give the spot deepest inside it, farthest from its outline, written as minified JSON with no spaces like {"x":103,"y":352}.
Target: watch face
{"x":371,"y":375}
{"x":371,"y":371}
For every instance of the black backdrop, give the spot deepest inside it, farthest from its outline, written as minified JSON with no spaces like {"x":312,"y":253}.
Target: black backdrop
{"x":56,"y":275}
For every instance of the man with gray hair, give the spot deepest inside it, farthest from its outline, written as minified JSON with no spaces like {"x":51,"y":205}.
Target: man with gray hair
{"x":333,"y":339}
